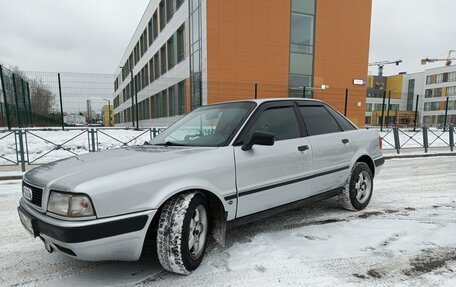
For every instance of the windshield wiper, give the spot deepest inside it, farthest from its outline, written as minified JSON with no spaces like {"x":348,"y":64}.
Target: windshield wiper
{"x":168,"y":143}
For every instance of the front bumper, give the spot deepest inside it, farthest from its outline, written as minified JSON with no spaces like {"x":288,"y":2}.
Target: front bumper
{"x":114,"y":238}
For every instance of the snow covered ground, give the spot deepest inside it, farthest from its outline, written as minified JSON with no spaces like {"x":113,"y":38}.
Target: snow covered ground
{"x":406,"y":237}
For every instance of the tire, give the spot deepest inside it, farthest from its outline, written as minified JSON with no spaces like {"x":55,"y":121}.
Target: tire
{"x":182,"y":234}
{"x":358,"y":188}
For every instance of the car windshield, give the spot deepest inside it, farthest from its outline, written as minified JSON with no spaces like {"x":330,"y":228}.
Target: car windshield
{"x":211,"y":126}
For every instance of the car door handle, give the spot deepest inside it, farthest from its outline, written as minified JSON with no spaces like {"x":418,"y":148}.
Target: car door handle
{"x":344,"y":141}
{"x":303,"y":148}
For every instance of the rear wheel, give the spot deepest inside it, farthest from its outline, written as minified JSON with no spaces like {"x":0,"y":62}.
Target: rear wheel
{"x":358,"y":189}
{"x":182,"y":232}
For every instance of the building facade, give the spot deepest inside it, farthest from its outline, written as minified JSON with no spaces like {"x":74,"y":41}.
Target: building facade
{"x":185,"y":54}
{"x":426,"y":92}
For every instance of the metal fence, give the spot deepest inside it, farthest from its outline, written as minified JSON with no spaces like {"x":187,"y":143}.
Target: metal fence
{"x":48,"y":99}
{"x":419,"y":139}
{"x":38,"y":146}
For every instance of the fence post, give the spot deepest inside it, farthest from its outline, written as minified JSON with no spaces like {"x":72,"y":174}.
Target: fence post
{"x":17,"y":102}
{"x":425,"y":139}
{"x":92,"y":139}
{"x":346,"y":102}
{"x":383,"y":111}
{"x":388,"y":107}
{"x":27,"y":121}
{"x":416,"y":113}
{"x":2,"y":82}
{"x":303,"y":92}
{"x":451,"y":130}
{"x":256,"y":91}
{"x":21,"y":150}
{"x":30,"y":105}
{"x":154,"y":132}
{"x":61,"y":104}
{"x":397,"y":144}
{"x":446,"y":115}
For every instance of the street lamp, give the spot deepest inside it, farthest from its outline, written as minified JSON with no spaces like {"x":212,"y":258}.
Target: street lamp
{"x":134,"y":94}
{"x":109,"y":111}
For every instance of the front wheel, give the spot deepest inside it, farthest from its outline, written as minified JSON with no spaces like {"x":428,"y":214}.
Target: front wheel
{"x":358,"y":189}
{"x":182,"y":232}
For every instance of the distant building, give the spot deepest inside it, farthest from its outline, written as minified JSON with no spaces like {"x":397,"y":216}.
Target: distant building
{"x":107,"y":115}
{"x":432,"y":87}
{"x":185,"y":54}
{"x":74,"y":120}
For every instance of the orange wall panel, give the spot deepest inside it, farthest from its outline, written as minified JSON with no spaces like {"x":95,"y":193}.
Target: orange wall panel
{"x":342,"y":52}
{"x":247,"y":43}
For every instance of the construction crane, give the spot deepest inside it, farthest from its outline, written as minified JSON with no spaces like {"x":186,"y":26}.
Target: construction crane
{"x":448,"y":60}
{"x":382,"y":64}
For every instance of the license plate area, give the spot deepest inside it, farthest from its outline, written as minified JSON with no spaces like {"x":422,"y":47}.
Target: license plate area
{"x":27,"y":223}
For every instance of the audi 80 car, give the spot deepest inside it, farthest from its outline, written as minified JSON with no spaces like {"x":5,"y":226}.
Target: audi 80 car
{"x":217,"y":167}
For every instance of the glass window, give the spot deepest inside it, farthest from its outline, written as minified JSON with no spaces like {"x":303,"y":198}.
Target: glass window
{"x":343,"y":122}
{"x":368,"y":107}
{"x":180,"y":44}
{"x":169,"y":9}
{"x":171,"y":49}
{"x":156,"y":66}
{"x":155,"y":25}
{"x":150,"y":32}
{"x":162,"y":12}
{"x":213,"y":125}
{"x":318,"y":120}
{"x":301,"y":29}
{"x":281,"y":122}
{"x":301,"y":64}
{"x":303,"y":6}
{"x":163,"y":59}
{"x":182,"y":101}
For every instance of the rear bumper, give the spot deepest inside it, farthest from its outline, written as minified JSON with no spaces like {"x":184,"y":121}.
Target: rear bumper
{"x":114,"y":238}
{"x":378,"y":164}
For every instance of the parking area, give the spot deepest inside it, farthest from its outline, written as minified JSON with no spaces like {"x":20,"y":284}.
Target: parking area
{"x":406,"y":237}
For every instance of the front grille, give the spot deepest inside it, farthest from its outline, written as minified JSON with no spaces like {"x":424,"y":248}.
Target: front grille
{"x":37,"y":194}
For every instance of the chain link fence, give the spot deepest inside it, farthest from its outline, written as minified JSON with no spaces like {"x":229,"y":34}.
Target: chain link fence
{"x":48,"y":99}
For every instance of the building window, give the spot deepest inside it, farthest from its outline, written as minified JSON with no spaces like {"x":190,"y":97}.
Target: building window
{"x":410,"y":93}
{"x":196,"y":99}
{"x":368,"y":108}
{"x":162,"y":12}
{"x":180,"y":44}
{"x":169,"y":9}
{"x":155,"y":25}
{"x":301,"y":47}
{"x":163,"y":59}
{"x":150,"y":32}
{"x":451,"y":91}
{"x":156,"y":66}
{"x":171,"y":46}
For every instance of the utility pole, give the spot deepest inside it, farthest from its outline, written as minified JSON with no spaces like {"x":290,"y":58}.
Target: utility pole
{"x":416,"y":113}
{"x":388,"y":109}
{"x":383,"y":111}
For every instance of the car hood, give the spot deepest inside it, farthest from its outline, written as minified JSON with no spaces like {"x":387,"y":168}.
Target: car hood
{"x":67,"y":173}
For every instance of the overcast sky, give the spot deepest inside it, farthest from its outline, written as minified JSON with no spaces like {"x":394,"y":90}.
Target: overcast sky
{"x":91,"y":35}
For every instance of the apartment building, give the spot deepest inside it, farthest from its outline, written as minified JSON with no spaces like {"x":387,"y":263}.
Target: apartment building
{"x":185,"y":54}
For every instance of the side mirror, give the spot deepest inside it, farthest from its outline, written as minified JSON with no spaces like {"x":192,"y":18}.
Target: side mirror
{"x":259,"y":138}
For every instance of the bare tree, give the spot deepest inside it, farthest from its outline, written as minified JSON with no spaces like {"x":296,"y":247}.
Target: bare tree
{"x":41,"y":98}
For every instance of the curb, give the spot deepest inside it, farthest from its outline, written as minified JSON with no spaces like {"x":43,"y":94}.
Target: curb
{"x":418,"y":155}
{"x":10,"y":177}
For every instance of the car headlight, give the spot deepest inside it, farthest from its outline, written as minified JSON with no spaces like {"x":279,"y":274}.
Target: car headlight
{"x":71,"y":205}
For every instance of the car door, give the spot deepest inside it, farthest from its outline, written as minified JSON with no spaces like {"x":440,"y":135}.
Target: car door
{"x":270,"y":176}
{"x":332,"y":148}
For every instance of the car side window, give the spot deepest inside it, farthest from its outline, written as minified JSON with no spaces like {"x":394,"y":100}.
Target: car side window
{"x":318,"y":120}
{"x":280,"y":121}
{"x":343,"y":122}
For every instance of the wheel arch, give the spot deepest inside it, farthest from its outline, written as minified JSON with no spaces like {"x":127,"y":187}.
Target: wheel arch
{"x":217,"y":216}
{"x":369,"y":161}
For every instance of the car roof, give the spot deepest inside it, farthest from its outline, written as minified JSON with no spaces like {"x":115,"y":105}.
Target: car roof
{"x":260,"y":101}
